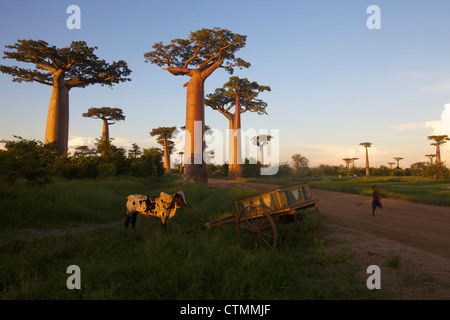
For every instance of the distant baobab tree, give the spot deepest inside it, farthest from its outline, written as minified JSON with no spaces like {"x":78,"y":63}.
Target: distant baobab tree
{"x":347,"y":162}
{"x":353,"y":161}
{"x":109,"y":117}
{"x":439,"y":140}
{"x":366,"y":145}
{"x":163,"y":138}
{"x":181,"y":160}
{"x":242,"y":95}
{"x":65,"y":68}
{"x":198,"y":57}
{"x":261,"y":141}
{"x":398,"y":161}
{"x":430,"y":156}
{"x":390,"y":164}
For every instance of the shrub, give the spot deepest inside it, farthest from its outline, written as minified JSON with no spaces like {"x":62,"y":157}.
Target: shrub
{"x":28,"y":159}
{"x":436,"y":171}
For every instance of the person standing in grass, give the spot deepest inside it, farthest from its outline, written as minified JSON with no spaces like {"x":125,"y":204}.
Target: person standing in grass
{"x":376,"y":200}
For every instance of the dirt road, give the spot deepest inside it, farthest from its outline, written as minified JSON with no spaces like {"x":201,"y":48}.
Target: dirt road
{"x":419,"y":234}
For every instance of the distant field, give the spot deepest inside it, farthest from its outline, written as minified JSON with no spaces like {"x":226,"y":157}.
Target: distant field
{"x":416,"y":189}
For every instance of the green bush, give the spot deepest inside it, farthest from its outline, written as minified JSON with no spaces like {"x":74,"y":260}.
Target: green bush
{"x":28,"y":159}
{"x":436,"y":171}
{"x":106,"y":170}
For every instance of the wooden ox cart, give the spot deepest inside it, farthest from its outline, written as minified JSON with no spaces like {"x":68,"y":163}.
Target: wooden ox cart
{"x":257,"y":216}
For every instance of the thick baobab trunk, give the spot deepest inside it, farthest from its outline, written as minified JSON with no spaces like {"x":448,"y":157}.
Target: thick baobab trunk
{"x":105,"y":132}
{"x":261,"y":153}
{"x":237,"y":168}
{"x":367,"y":163}
{"x":194,"y":164}
{"x":166,"y":156}
{"x":57,"y":129}
{"x":230,"y":144}
{"x":438,"y":153}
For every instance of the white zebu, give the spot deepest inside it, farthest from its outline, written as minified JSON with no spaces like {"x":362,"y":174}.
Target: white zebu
{"x":163,"y":207}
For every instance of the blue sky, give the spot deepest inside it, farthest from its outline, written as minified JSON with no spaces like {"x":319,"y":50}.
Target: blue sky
{"x":334,"y":82}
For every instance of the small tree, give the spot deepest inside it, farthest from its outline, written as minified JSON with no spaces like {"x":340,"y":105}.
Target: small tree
{"x":430,"y":156}
{"x":299,"y":163}
{"x":108,"y":115}
{"x":135,"y":151}
{"x":65,"y":68}
{"x":164,"y":134}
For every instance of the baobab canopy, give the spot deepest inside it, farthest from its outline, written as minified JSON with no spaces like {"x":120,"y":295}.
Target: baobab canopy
{"x":63,"y":69}
{"x":203,"y":47}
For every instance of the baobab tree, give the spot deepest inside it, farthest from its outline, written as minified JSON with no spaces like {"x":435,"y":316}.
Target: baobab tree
{"x":261,"y":141}
{"x":430,"y":156}
{"x":242,"y":95}
{"x":109,"y":117}
{"x":353,"y":161}
{"x":391,"y":163}
{"x":366,"y":145}
{"x":75,"y":66}
{"x":439,"y":140}
{"x":398,"y":161}
{"x":198,"y":57}
{"x":164,"y":134}
{"x":347,"y":162}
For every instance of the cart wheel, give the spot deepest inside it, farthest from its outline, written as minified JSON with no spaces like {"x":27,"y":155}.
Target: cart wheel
{"x":256,"y":227}
{"x":311,"y":221}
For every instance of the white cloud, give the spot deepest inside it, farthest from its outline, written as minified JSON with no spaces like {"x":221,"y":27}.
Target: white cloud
{"x":439,"y":87}
{"x":408,"y":126}
{"x":441,"y":126}
{"x":75,"y":141}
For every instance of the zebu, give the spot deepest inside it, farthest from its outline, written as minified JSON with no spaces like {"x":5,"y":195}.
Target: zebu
{"x":163,"y":207}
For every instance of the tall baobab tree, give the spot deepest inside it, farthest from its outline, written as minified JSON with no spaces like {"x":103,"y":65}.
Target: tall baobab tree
{"x":75,"y":66}
{"x":398,"y":161}
{"x":198,"y":57}
{"x":366,"y":145}
{"x":430,"y":156}
{"x":242,"y":95}
{"x":439,"y":140}
{"x":164,"y":134}
{"x":261,"y":141}
{"x":109,"y":117}
{"x":391,"y":163}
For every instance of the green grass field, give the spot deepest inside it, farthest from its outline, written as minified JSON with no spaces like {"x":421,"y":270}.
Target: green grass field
{"x":150,"y":262}
{"x":153,"y":263}
{"x":408,"y":188}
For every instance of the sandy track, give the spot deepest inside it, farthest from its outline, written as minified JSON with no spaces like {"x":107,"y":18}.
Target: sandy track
{"x":419,"y":233}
